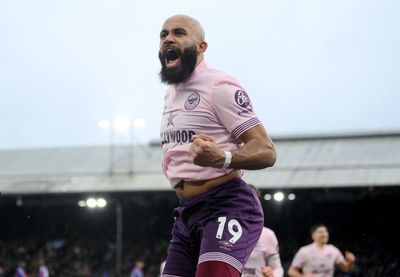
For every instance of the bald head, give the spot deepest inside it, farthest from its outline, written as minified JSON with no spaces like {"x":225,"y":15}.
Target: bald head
{"x":190,"y":22}
{"x":182,"y":48}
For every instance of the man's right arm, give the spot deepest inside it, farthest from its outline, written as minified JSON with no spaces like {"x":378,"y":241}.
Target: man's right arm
{"x":257,"y":151}
{"x":274,"y":267}
{"x":295,"y":272}
{"x":298,"y":262}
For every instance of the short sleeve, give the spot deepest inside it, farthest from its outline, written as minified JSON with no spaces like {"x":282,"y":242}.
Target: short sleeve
{"x":269,"y":243}
{"x":298,"y":260}
{"x":233,"y":108}
{"x":339,"y":258}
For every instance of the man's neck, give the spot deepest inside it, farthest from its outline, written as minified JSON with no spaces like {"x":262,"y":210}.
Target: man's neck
{"x":200,"y":58}
{"x":320,"y":244}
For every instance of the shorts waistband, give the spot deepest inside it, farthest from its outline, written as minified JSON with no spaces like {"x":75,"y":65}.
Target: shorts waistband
{"x":200,"y":197}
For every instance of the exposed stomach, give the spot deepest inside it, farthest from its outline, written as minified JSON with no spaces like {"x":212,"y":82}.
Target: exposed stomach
{"x":188,"y":189}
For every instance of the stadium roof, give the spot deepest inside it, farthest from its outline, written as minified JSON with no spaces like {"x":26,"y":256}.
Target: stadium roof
{"x":351,"y":160}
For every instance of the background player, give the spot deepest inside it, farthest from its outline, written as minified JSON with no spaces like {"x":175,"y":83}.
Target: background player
{"x":264,"y":261}
{"x":319,"y":258}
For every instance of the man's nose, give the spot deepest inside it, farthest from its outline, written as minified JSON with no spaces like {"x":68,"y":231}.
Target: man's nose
{"x":169,"y":39}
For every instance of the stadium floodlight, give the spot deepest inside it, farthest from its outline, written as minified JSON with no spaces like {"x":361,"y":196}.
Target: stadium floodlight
{"x":91,"y":203}
{"x":292,"y":196}
{"x":104,"y":124}
{"x":267,"y":197}
{"x":101,"y":202}
{"x":121,"y":123}
{"x":19,"y":202}
{"x":279,"y":196}
{"x":122,"y":131}
{"x":82,"y":203}
{"x":139,"y":122}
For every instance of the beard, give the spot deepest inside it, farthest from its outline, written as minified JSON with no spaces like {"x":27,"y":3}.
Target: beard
{"x":180,"y":73}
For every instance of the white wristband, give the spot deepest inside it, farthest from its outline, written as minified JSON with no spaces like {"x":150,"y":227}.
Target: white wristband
{"x":228,"y":159}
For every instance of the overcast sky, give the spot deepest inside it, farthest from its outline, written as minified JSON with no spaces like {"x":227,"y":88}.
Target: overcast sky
{"x":310,"y":67}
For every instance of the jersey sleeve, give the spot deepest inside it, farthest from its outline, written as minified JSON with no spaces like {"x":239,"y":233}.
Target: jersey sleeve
{"x":339,"y":258}
{"x":269,"y":243}
{"x":233,"y":107}
{"x":299,"y":259}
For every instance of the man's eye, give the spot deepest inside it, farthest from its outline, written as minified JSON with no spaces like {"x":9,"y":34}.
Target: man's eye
{"x":163,"y":35}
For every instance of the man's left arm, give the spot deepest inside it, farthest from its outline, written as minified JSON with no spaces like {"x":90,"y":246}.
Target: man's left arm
{"x":348,"y":262}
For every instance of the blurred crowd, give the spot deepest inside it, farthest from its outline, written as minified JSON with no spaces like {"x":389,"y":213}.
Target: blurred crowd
{"x":75,"y":257}
{"x":89,"y":256}
{"x":72,"y":241}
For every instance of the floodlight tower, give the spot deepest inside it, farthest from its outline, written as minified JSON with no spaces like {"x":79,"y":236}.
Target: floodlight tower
{"x":122,"y":140}
{"x":121,"y":157}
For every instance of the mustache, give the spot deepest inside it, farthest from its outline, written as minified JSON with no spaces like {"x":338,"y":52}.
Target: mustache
{"x":166,"y":49}
{"x":179,"y":74}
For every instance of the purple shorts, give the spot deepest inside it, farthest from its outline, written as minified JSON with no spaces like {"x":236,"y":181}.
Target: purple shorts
{"x":222,"y":224}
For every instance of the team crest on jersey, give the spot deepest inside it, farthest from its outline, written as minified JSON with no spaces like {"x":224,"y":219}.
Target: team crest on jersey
{"x":242,"y":99}
{"x":192,"y":101}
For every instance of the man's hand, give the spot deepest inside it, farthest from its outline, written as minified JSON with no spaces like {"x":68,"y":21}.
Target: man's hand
{"x":267,"y":271}
{"x":347,"y":264}
{"x":349,"y":257}
{"x":205,"y":152}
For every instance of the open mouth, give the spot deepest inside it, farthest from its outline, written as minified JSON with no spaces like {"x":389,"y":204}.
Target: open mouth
{"x":172,"y":57}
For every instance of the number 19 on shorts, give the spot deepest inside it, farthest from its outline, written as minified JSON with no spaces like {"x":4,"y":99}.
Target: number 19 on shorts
{"x":234,"y":229}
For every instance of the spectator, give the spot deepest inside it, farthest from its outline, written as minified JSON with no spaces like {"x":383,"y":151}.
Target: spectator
{"x":43,"y":270}
{"x":137,"y":271}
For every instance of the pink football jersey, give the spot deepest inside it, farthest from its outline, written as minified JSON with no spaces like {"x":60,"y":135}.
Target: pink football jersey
{"x":210,"y":102}
{"x":43,"y":271}
{"x":318,"y":261}
{"x":266,"y":246}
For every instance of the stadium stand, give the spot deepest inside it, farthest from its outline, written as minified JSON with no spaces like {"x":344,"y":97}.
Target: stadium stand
{"x":349,"y":182}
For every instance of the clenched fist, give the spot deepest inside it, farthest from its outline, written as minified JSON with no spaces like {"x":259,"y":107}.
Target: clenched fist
{"x":205,"y":151}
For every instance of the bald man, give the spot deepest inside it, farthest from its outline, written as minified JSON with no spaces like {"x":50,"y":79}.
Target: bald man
{"x":209,"y":133}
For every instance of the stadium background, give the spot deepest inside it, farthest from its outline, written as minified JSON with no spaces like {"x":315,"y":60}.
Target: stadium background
{"x":350,"y":182}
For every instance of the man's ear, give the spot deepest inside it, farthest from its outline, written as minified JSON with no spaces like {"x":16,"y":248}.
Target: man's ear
{"x":202,"y":47}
